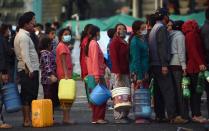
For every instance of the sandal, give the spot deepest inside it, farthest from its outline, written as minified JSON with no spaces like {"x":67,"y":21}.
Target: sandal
{"x":199,"y":119}
{"x":142,"y":121}
{"x":5,"y":126}
{"x":101,"y":122}
{"x":71,"y":122}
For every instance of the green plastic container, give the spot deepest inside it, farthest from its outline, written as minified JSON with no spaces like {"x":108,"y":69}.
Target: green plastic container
{"x":90,"y":81}
{"x":200,"y":83}
{"x":151,"y":87}
{"x":185,"y":85}
{"x":206,"y":74}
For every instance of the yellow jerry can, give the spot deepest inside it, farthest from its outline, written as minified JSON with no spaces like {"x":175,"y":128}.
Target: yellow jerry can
{"x":67,"y":90}
{"x":42,"y":113}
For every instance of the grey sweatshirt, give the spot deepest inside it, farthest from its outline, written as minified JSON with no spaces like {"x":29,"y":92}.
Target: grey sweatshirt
{"x":178,"y":49}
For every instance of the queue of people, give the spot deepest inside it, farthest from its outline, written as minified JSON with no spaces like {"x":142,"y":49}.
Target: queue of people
{"x":160,"y":49}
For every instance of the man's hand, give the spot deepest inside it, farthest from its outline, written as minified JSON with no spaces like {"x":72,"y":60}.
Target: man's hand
{"x":202,"y":67}
{"x":184,"y":72}
{"x":30,"y":74}
{"x":118,"y":77}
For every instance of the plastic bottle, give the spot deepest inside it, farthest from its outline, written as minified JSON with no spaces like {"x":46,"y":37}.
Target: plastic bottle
{"x":185,"y":85}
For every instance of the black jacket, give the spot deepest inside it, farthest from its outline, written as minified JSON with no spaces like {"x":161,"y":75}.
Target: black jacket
{"x":205,"y":38}
{"x":3,"y":65}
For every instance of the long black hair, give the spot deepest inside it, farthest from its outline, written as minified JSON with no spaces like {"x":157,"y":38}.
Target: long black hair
{"x":45,"y":43}
{"x":151,"y":20}
{"x":135,"y":27}
{"x":177,"y":25}
{"x":119,"y":24}
{"x":3,"y":28}
{"x":61,"y":32}
{"x":85,"y":31}
{"x":92,"y":33}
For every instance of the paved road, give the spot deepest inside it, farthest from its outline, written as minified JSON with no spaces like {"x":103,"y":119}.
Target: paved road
{"x":82,"y":115}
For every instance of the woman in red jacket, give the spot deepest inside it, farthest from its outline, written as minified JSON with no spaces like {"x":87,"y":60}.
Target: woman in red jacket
{"x":195,"y":64}
{"x":84,"y":41}
{"x":96,"y":68}
{"x":119,"y":54}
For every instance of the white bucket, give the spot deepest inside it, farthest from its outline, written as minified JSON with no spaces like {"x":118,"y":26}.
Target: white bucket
{"x":121,"y":98}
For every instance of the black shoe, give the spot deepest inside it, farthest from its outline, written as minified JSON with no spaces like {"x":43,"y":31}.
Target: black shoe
{"x":128,"y":119}
{"x":161,"y":120}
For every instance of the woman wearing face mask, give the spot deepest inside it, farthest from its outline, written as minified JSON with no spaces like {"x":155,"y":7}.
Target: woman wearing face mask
{"x":139,"y":58}
{"x":64,"y":67}
{"x":119,"y":55}
{"x":96,"y":68}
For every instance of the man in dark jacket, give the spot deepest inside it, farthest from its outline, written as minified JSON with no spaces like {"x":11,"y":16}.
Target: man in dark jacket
{"x":205,"y":38}
{"x":160,"y":54}
{"x":205,"y":35}
{"x":4,"y":32}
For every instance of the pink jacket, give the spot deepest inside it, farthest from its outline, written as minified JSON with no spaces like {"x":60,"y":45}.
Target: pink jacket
{"x":95,"y":60}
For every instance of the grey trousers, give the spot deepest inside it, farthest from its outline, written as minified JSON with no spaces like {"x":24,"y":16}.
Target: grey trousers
{"x":164,"y":95}
{"x":181,"y":102}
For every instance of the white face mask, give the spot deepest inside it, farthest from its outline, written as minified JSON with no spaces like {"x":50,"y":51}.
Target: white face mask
{"x":66,"y":38}
{"x":122,"y":34}
{"x":144,"y":32}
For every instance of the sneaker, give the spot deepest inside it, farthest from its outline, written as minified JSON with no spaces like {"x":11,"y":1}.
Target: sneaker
{"x":199,"y":119}
{"x":5,"y":126}
{"x":178,"y":120}
{"x":110,"y":107}
{"x":161,"y":120}
{"x":122,"y":121}
{"x":128,"y":119}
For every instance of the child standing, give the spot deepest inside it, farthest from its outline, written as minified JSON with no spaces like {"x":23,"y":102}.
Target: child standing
{"x":48,"y":71}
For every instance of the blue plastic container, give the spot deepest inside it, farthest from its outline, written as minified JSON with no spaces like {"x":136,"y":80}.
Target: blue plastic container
{"x":11,"y":98}
{"x":142,"y":103}
{"x":99,"y":95}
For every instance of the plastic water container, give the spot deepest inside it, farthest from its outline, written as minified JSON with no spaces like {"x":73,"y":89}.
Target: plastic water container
{"x":99,"y":95}
{"x":121,"y":98}
{"x":142,"y":103}
{"x":90,"y":81}
{"x":11,"y":98}
{"x":67,"y":90}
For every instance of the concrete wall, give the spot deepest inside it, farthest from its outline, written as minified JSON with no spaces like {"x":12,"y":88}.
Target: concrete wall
{"x":51,"y":10}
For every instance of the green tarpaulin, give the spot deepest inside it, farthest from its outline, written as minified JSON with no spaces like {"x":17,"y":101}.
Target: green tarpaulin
{"x":105,"y":24}
{"x":199,"y":17}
